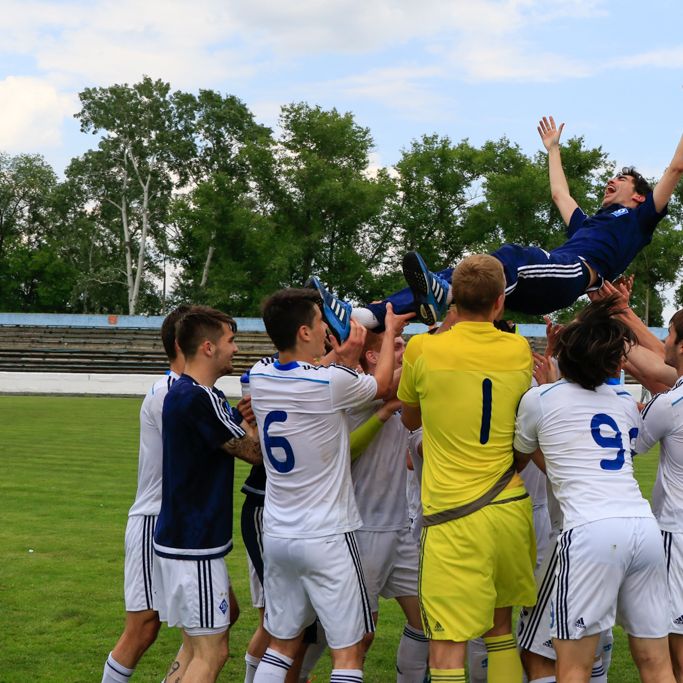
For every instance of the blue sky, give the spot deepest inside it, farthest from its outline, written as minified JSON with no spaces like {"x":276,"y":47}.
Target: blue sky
{"x":477,"y":69}
{"x":464,"y":68}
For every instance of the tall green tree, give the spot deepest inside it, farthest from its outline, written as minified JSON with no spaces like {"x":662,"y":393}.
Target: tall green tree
{"x":439,"y":183}
{"x":329,"y":211}
{"x":33,"y":277}
{"x":141,"y":156}
{"x":222,"y":231}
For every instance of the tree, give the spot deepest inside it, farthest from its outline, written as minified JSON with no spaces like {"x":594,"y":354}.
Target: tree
{"x":32,"y":276}
{"x":138,"y":161}
{"x":439,"y":183}
{"x":221,"y":230}
{"x":326,"y":207}
{"x":657,"y":266}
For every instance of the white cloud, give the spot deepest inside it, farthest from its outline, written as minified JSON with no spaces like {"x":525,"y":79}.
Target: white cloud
{"x":665,"y":58}
{"x":403,"y":88}
{"x":33,"y":114}
{"x":207,"y":42}
{"x":509,"y":62}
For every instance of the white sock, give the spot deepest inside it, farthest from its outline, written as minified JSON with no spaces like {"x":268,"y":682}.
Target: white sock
{"x":346,"y":676}
{"x":545,"y":679}
{"x":115,"y":672}
{"x":273,"y":667}
{"x":607,"y":657}
{"x":477,"y":660}
{"x":598,"y":673}
{"x":412,"y":656}
{"x":365,"y":317}
{"x":252,"y":664}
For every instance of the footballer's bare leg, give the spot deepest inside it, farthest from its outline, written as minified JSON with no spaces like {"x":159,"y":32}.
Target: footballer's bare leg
{"x":140,"y":632}
{"x":177,"y":669}
{"x":209,"y":654}
{"x":651,"y":656}
{"x":536,"y":666}
{"x":676,"y":651}
{"x":575,"y":658}
{"x":348,"y":658}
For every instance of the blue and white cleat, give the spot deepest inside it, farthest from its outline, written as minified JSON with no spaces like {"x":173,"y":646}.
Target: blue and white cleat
{"x":336,"y":313}
{"x":429,"y":290}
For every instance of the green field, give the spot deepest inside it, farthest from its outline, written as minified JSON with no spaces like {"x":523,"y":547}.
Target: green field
{"x":70,"y":467}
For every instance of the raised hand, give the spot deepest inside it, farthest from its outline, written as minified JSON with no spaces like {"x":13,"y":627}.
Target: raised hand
{"x":550,"y":134}
{"x":624,"y":285}
{"x":394,"y":323}
{"x":545,"y":371}
{"x":349,"y":352}
{"x":552,"y":333}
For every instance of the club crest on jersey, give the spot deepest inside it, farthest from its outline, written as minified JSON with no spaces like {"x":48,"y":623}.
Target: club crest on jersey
{"x":619,"y":212}
{"x":223,"y":607}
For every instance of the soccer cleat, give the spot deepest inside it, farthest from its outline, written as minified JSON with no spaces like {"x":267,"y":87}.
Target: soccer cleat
{"x":429,"y":290}
{"x":336,"y":313}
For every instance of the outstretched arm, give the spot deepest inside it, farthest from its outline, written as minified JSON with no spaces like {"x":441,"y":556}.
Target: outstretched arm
{"x":559,"y":189}
{"x":667,"y":183}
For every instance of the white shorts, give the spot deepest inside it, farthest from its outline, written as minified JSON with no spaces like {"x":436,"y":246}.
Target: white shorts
{"x":390,"y":564}
{"x":139,"y":562}
{"x":255,"y":586}
{"x":309,"y":577}
{"x":673,"y":551}
{"x":192,"y":594}
{"x":610,"y":570}
{"x":533,"y":626}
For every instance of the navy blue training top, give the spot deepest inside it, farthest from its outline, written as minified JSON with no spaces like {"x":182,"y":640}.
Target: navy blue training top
{"x":195,"y":521}
{"x":609,"y":240}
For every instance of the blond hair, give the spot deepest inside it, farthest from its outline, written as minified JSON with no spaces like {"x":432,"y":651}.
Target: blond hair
{"x":478,"y":281}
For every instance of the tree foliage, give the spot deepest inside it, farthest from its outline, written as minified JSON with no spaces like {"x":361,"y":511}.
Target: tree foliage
{"x":186,"y":197}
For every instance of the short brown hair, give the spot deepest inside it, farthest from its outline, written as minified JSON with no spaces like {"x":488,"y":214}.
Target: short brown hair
{"x":168,"y":329}
{"x":373,"y":342}
{"x":478,"y":281}
{"x":677,"y":324}
{"x":286,"y":311}
{"x":199,"y":324}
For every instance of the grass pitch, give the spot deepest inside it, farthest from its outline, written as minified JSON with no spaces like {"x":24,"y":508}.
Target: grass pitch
{"x":69,"y":477}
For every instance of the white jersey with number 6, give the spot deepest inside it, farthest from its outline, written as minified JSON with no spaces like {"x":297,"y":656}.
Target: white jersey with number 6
{"x":300,"y":410}
{"x":586,"y":438}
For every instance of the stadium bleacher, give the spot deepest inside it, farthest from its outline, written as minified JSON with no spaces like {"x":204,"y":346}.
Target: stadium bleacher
{"x":111,"y":350}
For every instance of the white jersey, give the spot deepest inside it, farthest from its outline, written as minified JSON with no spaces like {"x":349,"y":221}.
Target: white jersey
{"x":535,"y":483}
{"x":585,"y":437}
{"x":663,"y":421}
{"x":148,"y":496}
{"x":300,"y":410}
{"x":379,"y":474}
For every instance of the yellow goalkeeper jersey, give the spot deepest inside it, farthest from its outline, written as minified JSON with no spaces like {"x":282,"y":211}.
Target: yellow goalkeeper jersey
{"x":468,"y":382}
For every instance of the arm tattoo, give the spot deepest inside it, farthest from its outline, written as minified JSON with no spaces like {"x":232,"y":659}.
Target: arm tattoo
{"x":246,"y":449}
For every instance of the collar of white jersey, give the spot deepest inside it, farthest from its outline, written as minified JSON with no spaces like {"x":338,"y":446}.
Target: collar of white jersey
{"x":287,"y":366}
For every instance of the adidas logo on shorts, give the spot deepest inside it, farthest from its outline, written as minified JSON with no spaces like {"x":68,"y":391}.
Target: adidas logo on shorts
{"x":438,"y":626}
{"x":548,"y":643}
{"x":223,"y":607}
{"x":679,"y":620}
{"x":579,"y":623}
